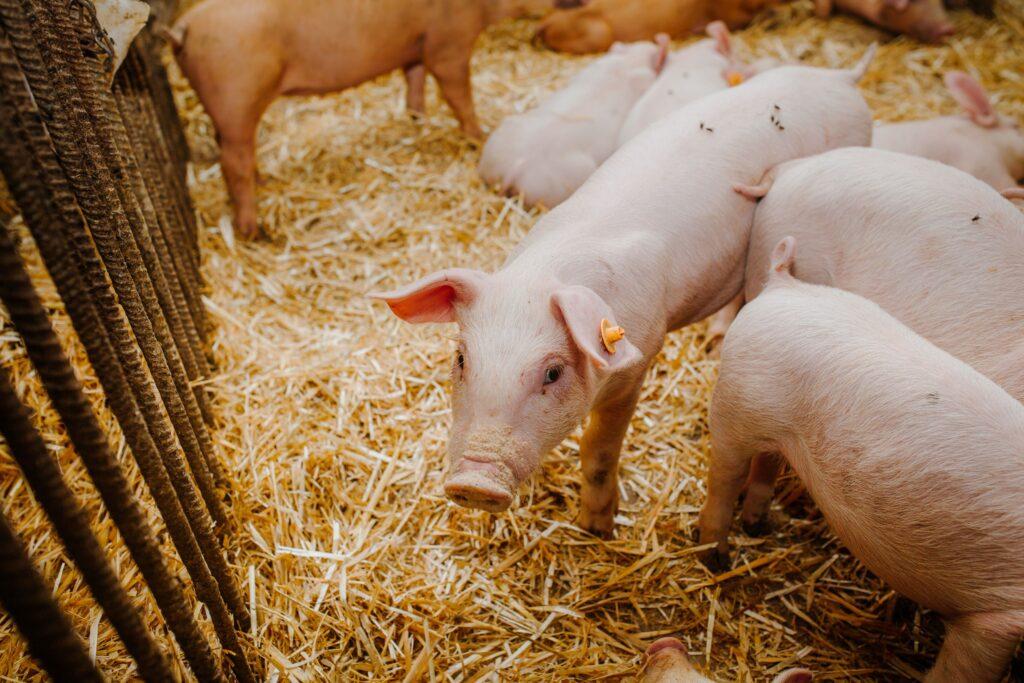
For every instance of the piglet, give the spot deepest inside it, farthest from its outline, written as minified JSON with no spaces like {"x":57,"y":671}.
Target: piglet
{"x":915,"y":459}
{"x":241,"y":56}
{"x":982,"y":143}
{"x":935,"y":247}
{"x":599,"y":23}
{"x":925,"y":20}
{"x":689,"y":74}
{"x":666,"y":662}
{"x":656,"y":239}
{"x":547,"y":153}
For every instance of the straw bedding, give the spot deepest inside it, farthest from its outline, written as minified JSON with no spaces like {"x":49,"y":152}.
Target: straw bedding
{"x":333,"y":418}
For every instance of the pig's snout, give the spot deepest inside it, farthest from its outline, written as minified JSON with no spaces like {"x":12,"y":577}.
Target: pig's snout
{"x":938,"y":33}
{"x":669,"y":644}
{"x":487,"y":469}
{"x":667,"y":661}
{"x":479,"y":485}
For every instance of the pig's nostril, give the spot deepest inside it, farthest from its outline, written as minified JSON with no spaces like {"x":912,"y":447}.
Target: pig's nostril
{"x":478,"y":495}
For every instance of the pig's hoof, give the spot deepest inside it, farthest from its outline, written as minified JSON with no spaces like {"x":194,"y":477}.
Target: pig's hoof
{"x":602,"y":527}
{"x":717,"y":561}
{"x":756,"y":527}
{"x":248,"y":229}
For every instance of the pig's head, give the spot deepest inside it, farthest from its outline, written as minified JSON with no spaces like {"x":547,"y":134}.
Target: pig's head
{"x":577,"y":31}
{"x":926,"y":20}
{"x":666,"y":662}
{"x":529,"y":362}
{"x":643,"y":57}
{"x":1001,"y":131}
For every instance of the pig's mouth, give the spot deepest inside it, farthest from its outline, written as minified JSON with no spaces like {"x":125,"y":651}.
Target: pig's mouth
{"x":487,"y":473}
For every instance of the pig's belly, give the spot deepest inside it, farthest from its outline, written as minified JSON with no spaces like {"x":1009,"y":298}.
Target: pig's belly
{"x":312,"y":80}
{"x":912,"y":544}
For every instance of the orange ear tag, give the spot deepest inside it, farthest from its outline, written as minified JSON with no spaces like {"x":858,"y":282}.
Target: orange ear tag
{"x":734,"y":78}
{"x":610,"y":334}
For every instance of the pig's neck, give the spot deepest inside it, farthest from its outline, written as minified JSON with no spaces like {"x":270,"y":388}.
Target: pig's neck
{"x":636,"y":276}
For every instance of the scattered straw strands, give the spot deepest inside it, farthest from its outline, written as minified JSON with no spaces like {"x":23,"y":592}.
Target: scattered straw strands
{"x":334,"y":416}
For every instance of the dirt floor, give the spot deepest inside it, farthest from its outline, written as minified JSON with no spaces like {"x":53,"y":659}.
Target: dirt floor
{"x":334,"y":417}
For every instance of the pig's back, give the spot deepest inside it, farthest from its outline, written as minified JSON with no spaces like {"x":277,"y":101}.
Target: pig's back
{"x":915,"y":459}
{"x":662,"y":208}
{"x":686,"y":79}
{"x":935,"y":247}
{"x":952,"y":140}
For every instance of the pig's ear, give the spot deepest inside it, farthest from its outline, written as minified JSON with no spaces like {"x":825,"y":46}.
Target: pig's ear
{"x":972,"y":97}
{"x":720,"y":33}
{"x":783,"y":256}
{"x":794,"y":676}
{"x":898,"y":5}
{"x":434,"y":298}
{"x":663,"y":42}
{"x":592,"y":326}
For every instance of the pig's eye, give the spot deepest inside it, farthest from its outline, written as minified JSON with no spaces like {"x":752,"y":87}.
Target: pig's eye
{"x":460,"y":361}
{"x":552,"y":374}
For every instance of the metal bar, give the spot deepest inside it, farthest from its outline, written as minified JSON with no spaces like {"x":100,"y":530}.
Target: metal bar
{"x":24,"y":595}
{"x":61,"y":383}
{"x":72,"y":524}
{"x":40,"y":186}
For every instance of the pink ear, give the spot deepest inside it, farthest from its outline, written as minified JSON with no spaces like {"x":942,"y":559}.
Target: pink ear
{"x":663,"y":41}
{"x":783,"y":255}
{"x":898,"y":5}
{"x":794,"y":676}
{"x":433,"y":299}
{"x":583,"y":310}
{"x":972,"y":97}
{"x":720,"y":33}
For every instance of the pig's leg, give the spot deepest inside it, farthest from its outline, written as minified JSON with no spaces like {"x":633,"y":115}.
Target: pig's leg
{"x":599,"y":452}
{"x":760,"y":489}
{"x":719,"y":325}
{"x":238,"y":164}
{"x":415,"y":84}
{"x":978,"y":647}
{"x":236,"y":114}
{"x":450,"y":66}
{"x":730,"y":466}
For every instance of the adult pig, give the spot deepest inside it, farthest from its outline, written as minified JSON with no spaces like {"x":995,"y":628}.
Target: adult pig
{"x":241,"y":56}
{"x":599,"y":23}
{"x":691,"y":73}
{"x":935,"y":247}
{"x":666,"y":662}
{"x":924,"y":19}
{"x":915,"y":459}
{"x":548,"y":152}
{"x":655,"y":240}
{"x":982,"y":143}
